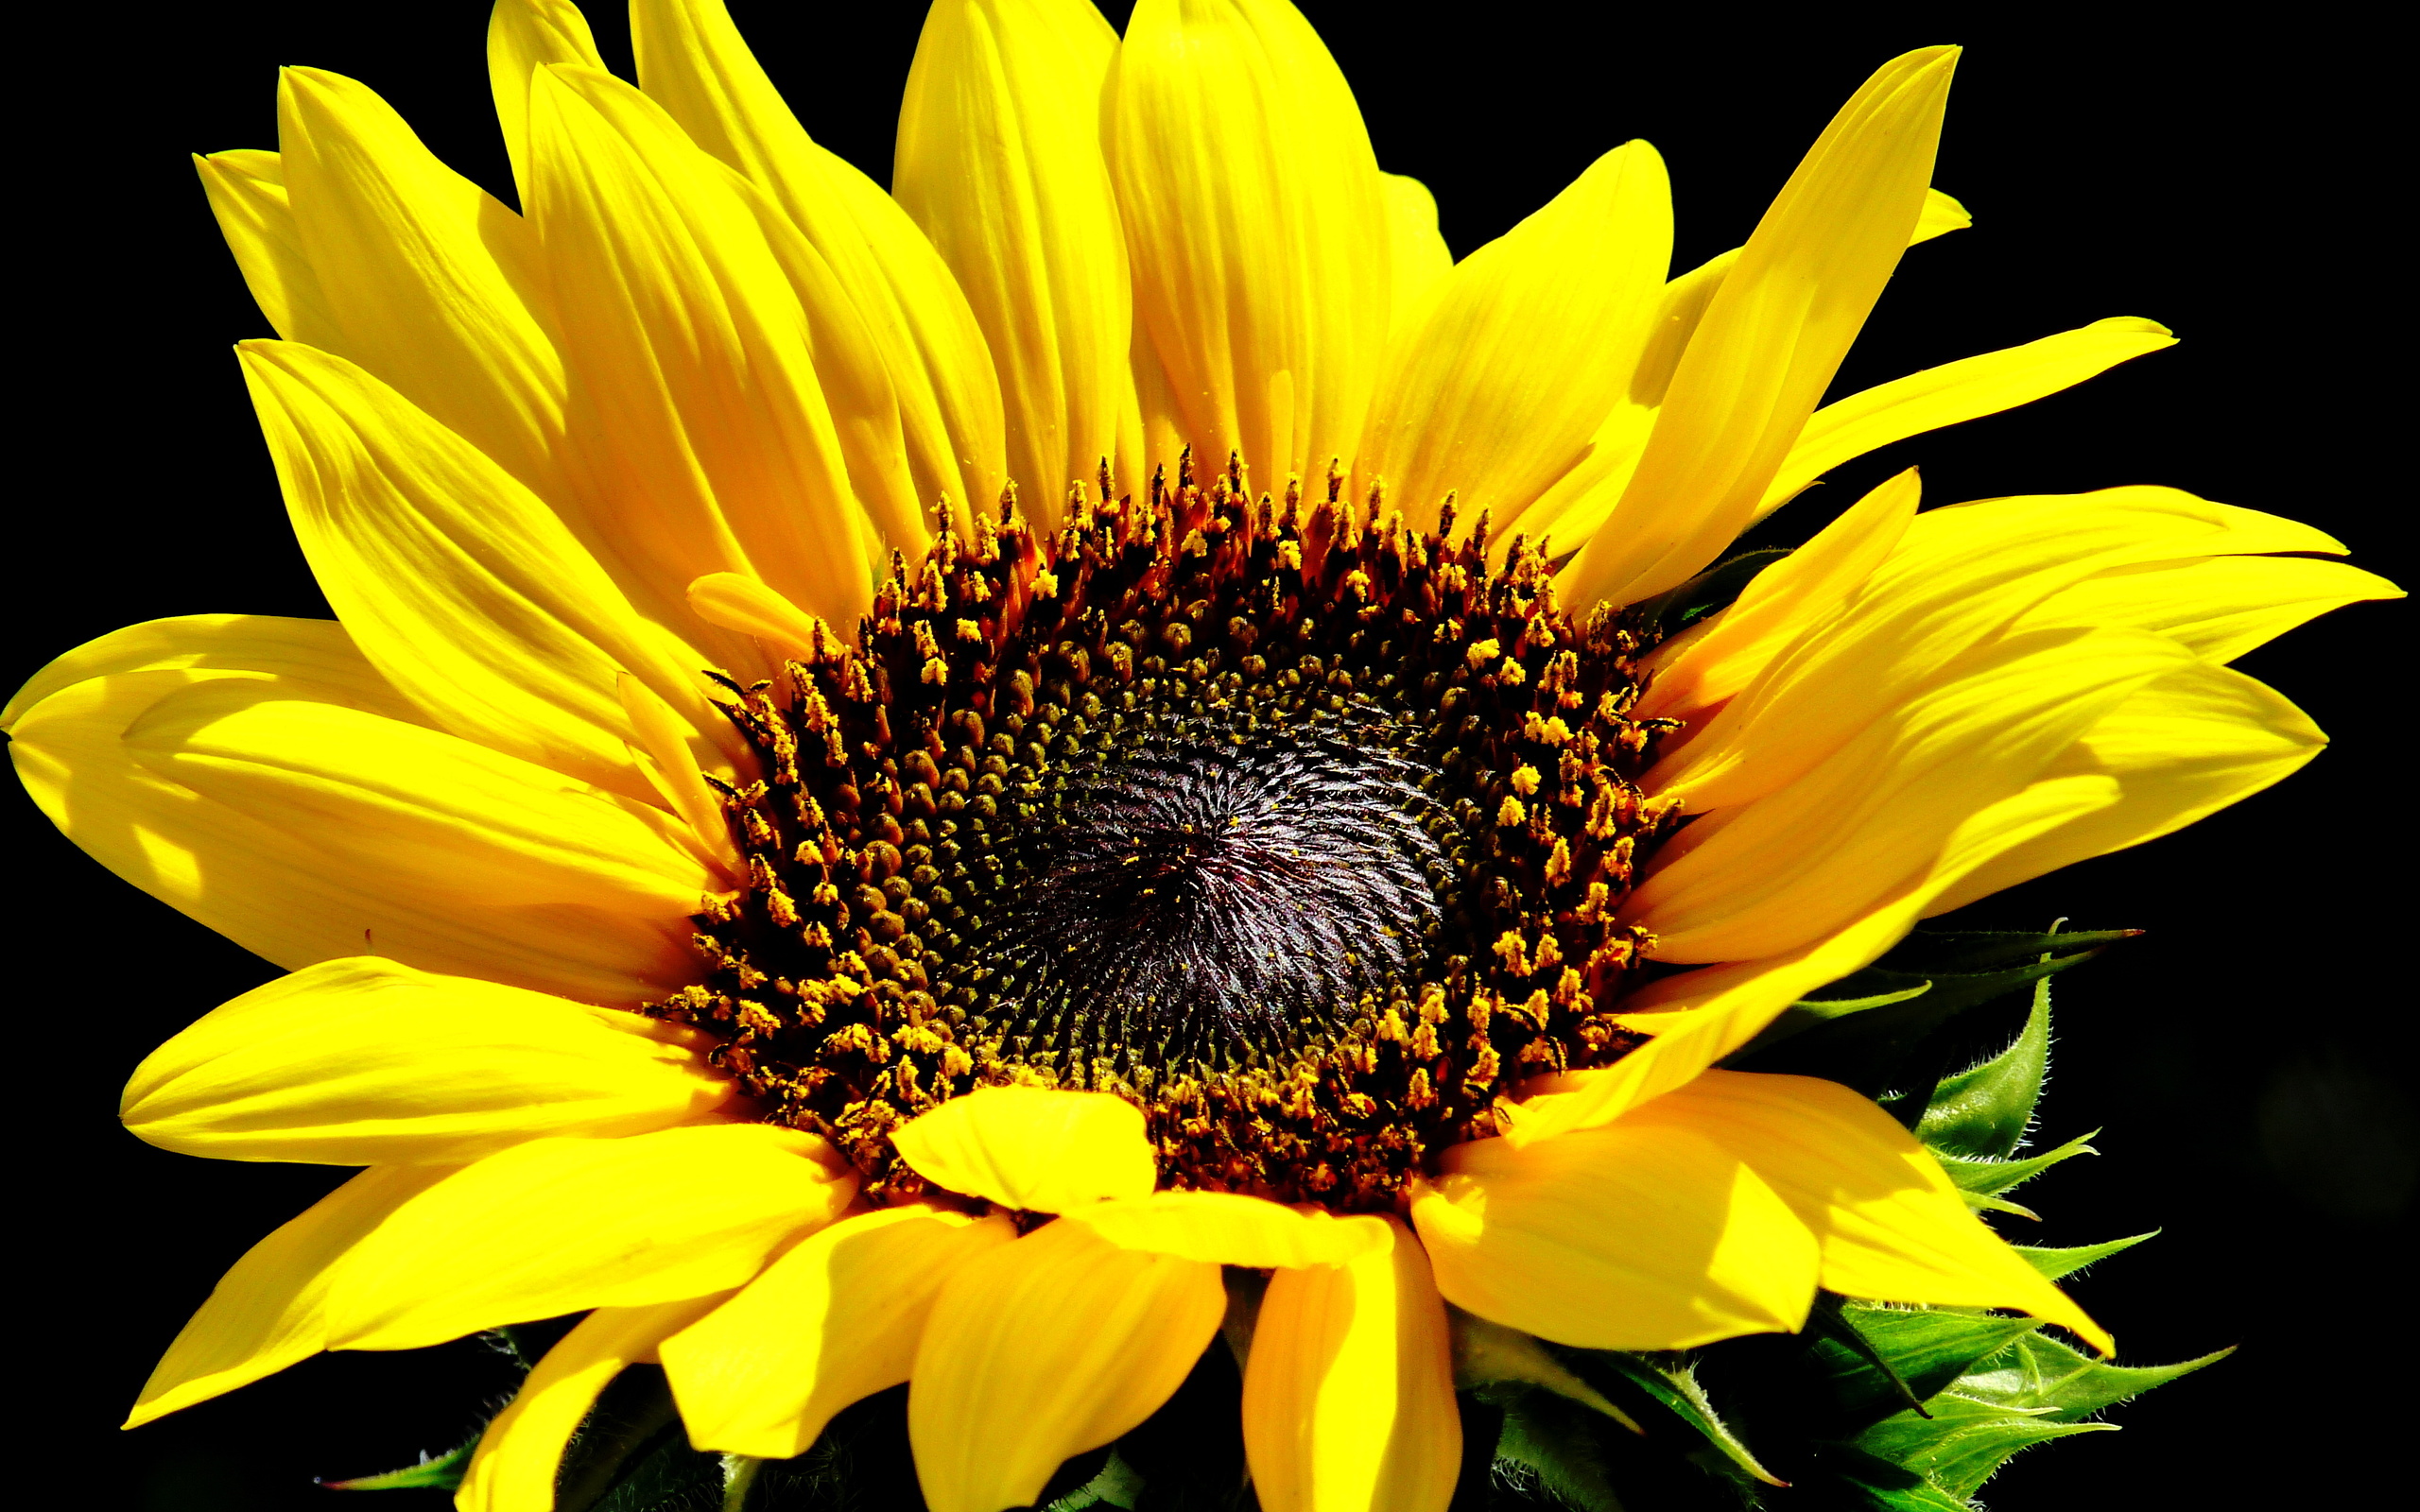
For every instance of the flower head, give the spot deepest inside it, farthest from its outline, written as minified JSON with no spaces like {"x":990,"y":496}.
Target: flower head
{"x":966,"y":786}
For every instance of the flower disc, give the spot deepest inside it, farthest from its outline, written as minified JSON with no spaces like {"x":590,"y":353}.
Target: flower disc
{"x":1306,"y":834}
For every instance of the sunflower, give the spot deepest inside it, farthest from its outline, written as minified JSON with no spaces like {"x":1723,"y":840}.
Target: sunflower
{"x":977,"y":785}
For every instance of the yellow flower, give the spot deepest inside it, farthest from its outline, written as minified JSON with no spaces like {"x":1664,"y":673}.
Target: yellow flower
{"x":1167,"y":876}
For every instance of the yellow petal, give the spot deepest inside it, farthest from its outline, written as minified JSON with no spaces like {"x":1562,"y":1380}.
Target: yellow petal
{"x":692,"y":61}
{"x":260,"y":646}
{"x":1000,"y":161}
{"x":1958,"y":577}
{"x":1249,"y":196}
{"x":246,"y":192}
{"x":832,"y":1322}
{"x":740,"y":603}
{"x":1031,"y":1148}
{"x":269,"y":886}
{"x":1686,"y":297}
{"x":265,"y":1312}
{"x":1574,"y":505}
{"x":384,"y":799}
{"x":1699,"y":1017}
{"x":365,"y":1061}
{"x":1617,"y":1238}
{"x":1800,"y":863}
{"x":430,"y":282}
{"x":523,"y":36}
{"x":851,"y":365}
{"x":695,"y":409}
{"x":1528,"y":345}
{"x":456,"y":581}
{"x":1421,"y":257}
{"x":1772,"y":335}
{"x":556,"y":1226}
{"x":521,"y":1452}
{"x":1941,"y":216}
{"x":1349,"y":1394}
{"x":1778,"y":605}
{"x":1162,"y":423}
{"x":1678,"y":314}
{"x":1230,"y":1228}
{"x":1955,"y":392}
{"x":1890,"y":1223}
{"x":1043,"y":1349}
{"x":2180,"y":748}
{"x":664,"y":749}
{"x":2220,"y":607}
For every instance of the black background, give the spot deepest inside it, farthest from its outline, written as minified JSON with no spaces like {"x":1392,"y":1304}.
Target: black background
{"x":2249,"y":1060}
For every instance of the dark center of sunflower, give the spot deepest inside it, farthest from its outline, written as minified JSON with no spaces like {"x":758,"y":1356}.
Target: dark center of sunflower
{"x":1303,"y":831}
{"x":1194,"y":898}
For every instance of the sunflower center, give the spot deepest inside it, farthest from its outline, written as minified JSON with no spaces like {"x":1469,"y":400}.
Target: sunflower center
{"x":1299,"y":829}
{"x":1211,"y":899}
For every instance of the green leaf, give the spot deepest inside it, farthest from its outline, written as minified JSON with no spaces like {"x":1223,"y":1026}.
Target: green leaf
{"x":443,"y":1473}
{"x":1989,"y":1179}
{"x":1711,"y":590}
{"x":2054,"y":1263}
{"x":1925,"y":1349}
{"x":1676,"y":1392}
{"x":1871,"y":1485}
{"x":2039,"y":1373}
{"x":1984,"y":1109}
{"x":1964,"y":1440}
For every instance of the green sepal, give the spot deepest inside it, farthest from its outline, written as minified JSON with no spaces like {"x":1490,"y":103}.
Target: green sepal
{"x":1560,"y":1441}
{"x":1117,"y":1484}
{"x":1964,"y":952}
{"x":1825,"y":1325}
{"x":1676,"y":1390}
{"x":2053,"y":1264}
{"x":443,"y":1473}
{"x":1984,"y":1110}
{"x":1860,"y":1029}
{"x":631,"y":1454}
{"x":1989,"y":1179}
{"x":666,"y":1475}
{"x":2039,"y":1373}
{"x":1859,"y":1479}
{"x":1918,"y":1351}
{"x":1964,"y":1440}
{"x":1711,"y":590}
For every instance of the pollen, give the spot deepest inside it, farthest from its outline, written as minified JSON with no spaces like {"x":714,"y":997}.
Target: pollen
{"x":1279,"y":820}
